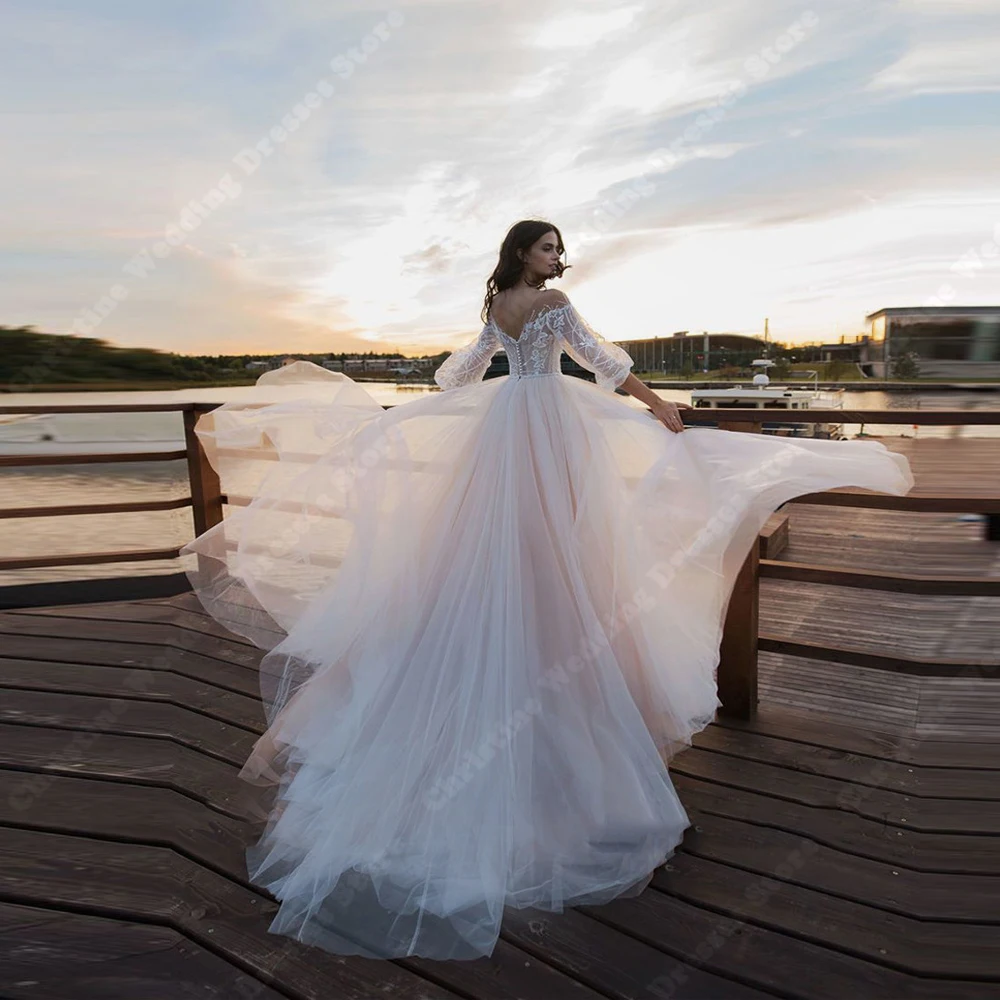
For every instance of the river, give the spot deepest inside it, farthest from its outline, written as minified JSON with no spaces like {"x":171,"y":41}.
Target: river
{"x":56,"y":485}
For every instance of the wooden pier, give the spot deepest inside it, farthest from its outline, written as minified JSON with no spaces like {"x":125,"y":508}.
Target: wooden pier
{"x":825,"y":860}
{"x":846,"y":813}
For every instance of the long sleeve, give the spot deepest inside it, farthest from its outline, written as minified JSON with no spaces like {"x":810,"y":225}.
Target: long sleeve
{"x":609,"y":362}
{"x":468,"y":363}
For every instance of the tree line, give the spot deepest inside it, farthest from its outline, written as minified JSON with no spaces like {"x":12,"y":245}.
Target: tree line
{"x":28,"y":356}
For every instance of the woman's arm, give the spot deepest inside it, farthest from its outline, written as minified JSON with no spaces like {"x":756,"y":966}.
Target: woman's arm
{"x":611,"y":363}
{"x":468,"y":363}
{"x":664,"y":410}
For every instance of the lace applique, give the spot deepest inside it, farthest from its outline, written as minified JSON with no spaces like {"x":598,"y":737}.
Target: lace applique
{"x":610,"y":363}
{"x":537,"y":349}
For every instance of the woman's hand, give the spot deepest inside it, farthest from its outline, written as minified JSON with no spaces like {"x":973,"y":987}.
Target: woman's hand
{"x":669,"y":413}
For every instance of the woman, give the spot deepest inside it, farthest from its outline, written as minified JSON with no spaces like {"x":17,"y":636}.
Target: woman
{"x":491,"y":617}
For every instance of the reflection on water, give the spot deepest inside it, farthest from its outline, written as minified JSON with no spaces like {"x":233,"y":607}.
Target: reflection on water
{"x":108,"y":432}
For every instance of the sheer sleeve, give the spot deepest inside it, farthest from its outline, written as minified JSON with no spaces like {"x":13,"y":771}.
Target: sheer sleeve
{"x":609,"y":362}
{"x":468,"y":363}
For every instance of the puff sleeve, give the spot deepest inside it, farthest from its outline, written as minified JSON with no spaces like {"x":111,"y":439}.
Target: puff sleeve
{"x":468,"y":363}
{"x":610,"y":363}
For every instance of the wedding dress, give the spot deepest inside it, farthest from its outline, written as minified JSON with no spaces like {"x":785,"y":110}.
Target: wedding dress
{"x":491,"y":616}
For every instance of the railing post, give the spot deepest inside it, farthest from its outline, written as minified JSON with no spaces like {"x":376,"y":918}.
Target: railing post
{"x":737,"y":674}
{"x":993,"y":527}
{"x":206,"y":490}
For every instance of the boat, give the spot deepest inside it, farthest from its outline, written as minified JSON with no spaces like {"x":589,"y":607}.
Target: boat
{"x":762,"y":395}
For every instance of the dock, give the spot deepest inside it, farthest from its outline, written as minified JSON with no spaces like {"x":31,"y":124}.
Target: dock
{"x":845,"y":837}
{"x":825,"y":860}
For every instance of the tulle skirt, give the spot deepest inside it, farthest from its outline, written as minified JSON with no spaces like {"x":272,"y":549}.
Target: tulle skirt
{"x":491,"y":616}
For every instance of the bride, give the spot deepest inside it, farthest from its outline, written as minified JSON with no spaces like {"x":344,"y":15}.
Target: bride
{"x":491,"y":616}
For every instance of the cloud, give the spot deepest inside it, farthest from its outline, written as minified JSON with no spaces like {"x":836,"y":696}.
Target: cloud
{"x":378,"y":220}
{"x":952,"y":49}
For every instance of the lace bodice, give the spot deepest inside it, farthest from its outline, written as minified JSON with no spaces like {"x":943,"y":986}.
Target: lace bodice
{"x":536,"y":352}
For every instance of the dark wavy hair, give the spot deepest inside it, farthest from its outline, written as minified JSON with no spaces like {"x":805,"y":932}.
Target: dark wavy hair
{"x":521,"y":236}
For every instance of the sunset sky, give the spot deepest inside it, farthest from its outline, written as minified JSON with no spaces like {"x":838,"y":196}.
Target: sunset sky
{"x":848,"y":157}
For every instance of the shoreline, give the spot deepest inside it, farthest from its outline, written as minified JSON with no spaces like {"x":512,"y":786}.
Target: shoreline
{"x":984,"y":385}
{"x":973,"y":385}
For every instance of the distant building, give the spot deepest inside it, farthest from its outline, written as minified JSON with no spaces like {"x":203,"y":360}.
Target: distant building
{"x":948,"y":340}
{"x":694,"y":351}
{"x":850,"y":352}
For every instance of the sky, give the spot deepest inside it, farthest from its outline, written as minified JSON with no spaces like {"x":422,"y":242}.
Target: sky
{"x":335,"y":175}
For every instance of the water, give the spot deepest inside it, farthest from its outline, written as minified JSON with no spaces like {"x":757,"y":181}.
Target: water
{"x":109,"y":432}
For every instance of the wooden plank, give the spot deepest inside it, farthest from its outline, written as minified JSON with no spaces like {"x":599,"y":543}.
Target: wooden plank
{"x":187,"y":602}
{"x":75,"y":804}
{"x":908,"y":625}
{"x":784,"y":724}
{"x":922,"y":418}
{"x":907,"y":542}
{"x":45,"y":408}
{"x":922,"y":667}
{"x":800,"y":858}
{"x":509,"y":974}
{"x":105,"y":458}
{"x":73,"y":510}
{"x":895,"y":810}
{"x":156,"y":885}
{"x":924,"y":782}
{"x":959,"y":721}
{"x":193,"y":606}
{"x":202,"y":697}
{"x":874,"y":699}
{"x":865,"y":579}
{"x":919,"y":947}
{"x":88,"y":558}
{"x":923,"y":503}
{"x":130,"y":760}
{"x":739,"y":426}
{"x":173,"y":723}
{"x":613,"y":963}
{"x":128,"y":656}
{"x":885,"y":692}
{"x":161,"y":613}
{"x":765,"y":959}
{"x":946,"y":705}
{"x":952,"y":861}
{"x":52,"y":954}
{"x":151,"y":634}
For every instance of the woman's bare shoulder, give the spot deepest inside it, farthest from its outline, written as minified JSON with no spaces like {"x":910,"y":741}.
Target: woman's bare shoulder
{"x":553,"y":297}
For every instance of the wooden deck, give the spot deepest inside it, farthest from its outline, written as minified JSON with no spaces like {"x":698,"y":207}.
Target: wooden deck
{"x":826,"y":860}
{"x":959,"y":629}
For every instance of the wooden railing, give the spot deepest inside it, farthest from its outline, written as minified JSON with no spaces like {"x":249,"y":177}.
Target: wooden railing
{"x":204,"y":499}
{"x":741,"y":641}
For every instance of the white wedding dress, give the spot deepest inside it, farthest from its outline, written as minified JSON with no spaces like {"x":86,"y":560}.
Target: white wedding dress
{"x":492,"y":615}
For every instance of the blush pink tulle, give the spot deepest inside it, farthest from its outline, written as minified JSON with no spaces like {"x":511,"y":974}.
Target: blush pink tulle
{"x":491,"y":616}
